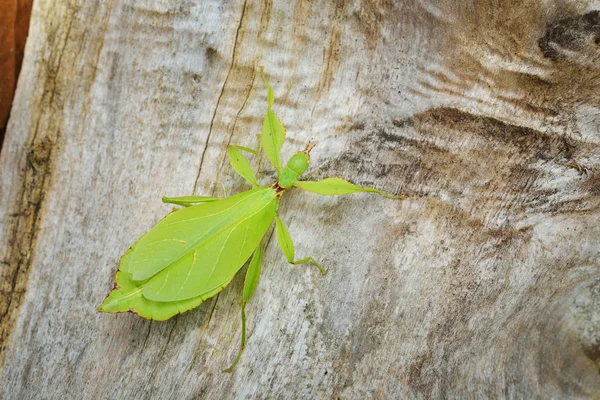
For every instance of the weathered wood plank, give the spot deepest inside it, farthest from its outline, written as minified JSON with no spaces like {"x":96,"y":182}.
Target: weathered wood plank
{"x":484,"y":283}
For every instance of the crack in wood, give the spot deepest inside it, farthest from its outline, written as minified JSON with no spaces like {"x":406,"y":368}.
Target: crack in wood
{"x":233,"y":56}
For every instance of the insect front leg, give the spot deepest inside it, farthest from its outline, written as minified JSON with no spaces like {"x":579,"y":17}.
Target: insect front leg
{"x":339,"y":187}
{"x":240,"y":164}
{"x":250,"y":283}
{"x":287,"y":246}
{"x":258,"y":140}
{"x":187,"y":201}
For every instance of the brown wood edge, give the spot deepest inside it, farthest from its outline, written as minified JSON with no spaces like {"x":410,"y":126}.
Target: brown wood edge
{"x":15,"y":17}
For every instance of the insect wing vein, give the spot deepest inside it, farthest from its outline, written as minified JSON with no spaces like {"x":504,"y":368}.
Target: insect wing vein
{"x":184,"y":230}
{"x":217,"y":258}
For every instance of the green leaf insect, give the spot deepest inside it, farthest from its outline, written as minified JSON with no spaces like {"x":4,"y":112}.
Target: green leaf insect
{"x":193,"y":254}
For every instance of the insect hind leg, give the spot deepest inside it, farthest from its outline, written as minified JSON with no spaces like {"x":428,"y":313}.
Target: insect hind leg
{"x":310,"y":259}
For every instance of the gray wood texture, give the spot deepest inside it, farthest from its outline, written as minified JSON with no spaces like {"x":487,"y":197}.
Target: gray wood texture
{"x":484,"y":283}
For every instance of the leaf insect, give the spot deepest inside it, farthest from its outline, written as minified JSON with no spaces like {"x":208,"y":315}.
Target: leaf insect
{"x":194,"y":253}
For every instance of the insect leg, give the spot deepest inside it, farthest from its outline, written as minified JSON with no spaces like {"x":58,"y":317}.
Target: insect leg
{"x":307,"y":259}
{"x":339,"y":187}
{"x":287,"y":246}
{"x":252,"y":276}
{"x":258,"y":140}
{"x":187,"y":201}
{"x":240,"y":164}
{"x":247,"y":149}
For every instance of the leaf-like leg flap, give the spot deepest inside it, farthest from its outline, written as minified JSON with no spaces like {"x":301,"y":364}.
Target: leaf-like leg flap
{"x":250,"y":283}
{"x":242,"y":148}
{"x":287,"y":246}
{"x":272,"y":138}
{"x":187,"y":201}
{"x":270,"y":94}
{"x":240,"y":164}
{"x":307,"y":259}
{"x":339,"y":187}
{"x":258,"y":141}
{"x":273,"y":131}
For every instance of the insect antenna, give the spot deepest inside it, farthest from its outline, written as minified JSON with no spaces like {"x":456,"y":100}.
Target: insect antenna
{"x":309,"y":147}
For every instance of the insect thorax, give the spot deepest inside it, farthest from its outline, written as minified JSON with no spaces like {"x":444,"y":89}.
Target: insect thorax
{"x":295,"y":167}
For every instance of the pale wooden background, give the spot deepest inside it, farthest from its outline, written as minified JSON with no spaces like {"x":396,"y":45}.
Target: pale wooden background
{"x":484,"y":283}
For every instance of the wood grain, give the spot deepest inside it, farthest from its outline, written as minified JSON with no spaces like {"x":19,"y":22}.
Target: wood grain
{"x":484,"y":283}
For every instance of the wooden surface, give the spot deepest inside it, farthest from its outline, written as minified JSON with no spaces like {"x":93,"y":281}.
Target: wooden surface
{"x":485,"y":283}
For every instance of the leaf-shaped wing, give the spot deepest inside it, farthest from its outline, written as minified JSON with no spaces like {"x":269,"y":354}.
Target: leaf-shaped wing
{"x":127,"y":296}
{"x":221,"y":248}
{"x":215,"y":261}
{"x":180,"y":232}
